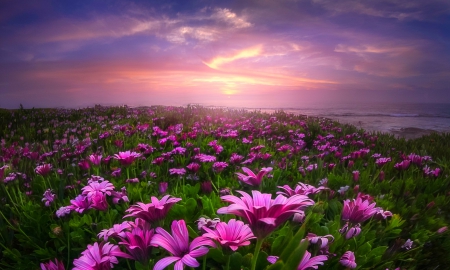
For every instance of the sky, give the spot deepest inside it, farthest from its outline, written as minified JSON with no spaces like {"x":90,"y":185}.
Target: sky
{"x":243,"y":53}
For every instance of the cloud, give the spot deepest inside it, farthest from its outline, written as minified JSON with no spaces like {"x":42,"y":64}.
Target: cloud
{"x":216,"y":62}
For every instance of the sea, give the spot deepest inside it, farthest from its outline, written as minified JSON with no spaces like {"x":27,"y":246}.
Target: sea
{"x":407,"y":120}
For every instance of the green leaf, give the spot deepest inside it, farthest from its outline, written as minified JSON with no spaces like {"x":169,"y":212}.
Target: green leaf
{"x":277,"y":245}
{"x":364,"y":249}
{"x":192,"y":232}
{"x":236,"y":261}
{"x":378,"y":251}
{"x":217,"y":255}
{"x":297,"y":255}
{"x":279,"y":265}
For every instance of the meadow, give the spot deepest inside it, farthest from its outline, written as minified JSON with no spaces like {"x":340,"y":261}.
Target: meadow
{"x":195,"y":187}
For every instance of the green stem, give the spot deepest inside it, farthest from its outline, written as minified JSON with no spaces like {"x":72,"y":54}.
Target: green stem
{"x":218,"y":182}
{"x":68,"y":249}
{"x":256,"y":253}
{"x":204,"y":263}
{"x":228,"y":263}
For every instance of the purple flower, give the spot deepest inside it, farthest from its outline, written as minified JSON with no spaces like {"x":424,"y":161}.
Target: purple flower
{"x":355,"y":176}
{"x":401,"y":166}
{"x":126,"y":158}
{"x":154,"y":211}
{"x":80,"y":203}
{"x":138,"y":243}
{"x":63,"y":211}
{"x":272,"y":259}
{"x":408,"y":244}
{"x":162,"y":187}
{"x":233,"y":234}
{"x":50,"y":265}
{"x":116,"y":230}
{"x":183,"y":252}
{"x":348,"y":260}
{"x":381,"y":161}
{"x":300,"y":189}
{"x":122,"y":195}
{"x":262,"y":212}
{"x":176,"y":171}
{"x":210,"y":223}
{"x":352,"y":232}
{"x":359,"y":210}
{"x":322,"y":241}
{"x":44,"y":169}
{"x":206,"y":187}
{"x":49,"y":197}
{"x":251,"y":178}
{"x":101,"y":257}
{"x":236,"y":159}
{"x":311,"y":263}
{"x":84,"y":165}
{"x":219,"y":166}
{"x":205,"y":158}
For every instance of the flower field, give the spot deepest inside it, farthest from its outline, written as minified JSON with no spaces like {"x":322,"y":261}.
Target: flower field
{"x":194,"y":187}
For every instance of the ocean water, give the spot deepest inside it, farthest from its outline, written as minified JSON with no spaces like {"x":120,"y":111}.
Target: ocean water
{"x":402,"y":119}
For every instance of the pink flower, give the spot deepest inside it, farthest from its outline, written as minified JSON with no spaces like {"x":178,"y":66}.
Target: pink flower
{"x":307,"y":262}
{"x":193,"y":167}
{"x":262,"y":213}
{"x":219,"y":166}
{"x":95,"y":159}
{"x":251,"y":178}
{"x":348,"y":260}
{"x":138,"y":243}
{"x":80,"y":203}
{"x":442,"y":230}
{"x":44,"y":169}
{"x":84,"y":165}
{"x":233,"y":234}
{"x":105,"y":187}
{"x":116,"y":230}
{"x":300,"y":189}
{"x":359,"y":210}
{"x":154,"y":211}
{"x":99,"y":202}
{"x":50,"y":265}
{"x":183,"y":252}
{"x":402,"y":165}
{"x":126,"y":158}
{"x":101,"y":257}
{"x":355,"y":176}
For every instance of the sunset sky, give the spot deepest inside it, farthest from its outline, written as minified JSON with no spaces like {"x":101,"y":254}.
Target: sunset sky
{"x":259,"y":53}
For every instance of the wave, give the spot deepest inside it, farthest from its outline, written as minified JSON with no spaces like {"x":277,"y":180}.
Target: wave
{"x":350,"y":114}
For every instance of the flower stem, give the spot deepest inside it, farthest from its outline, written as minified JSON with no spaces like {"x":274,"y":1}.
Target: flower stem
{"x":228,"y":263}
{"x":256,"y":253}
